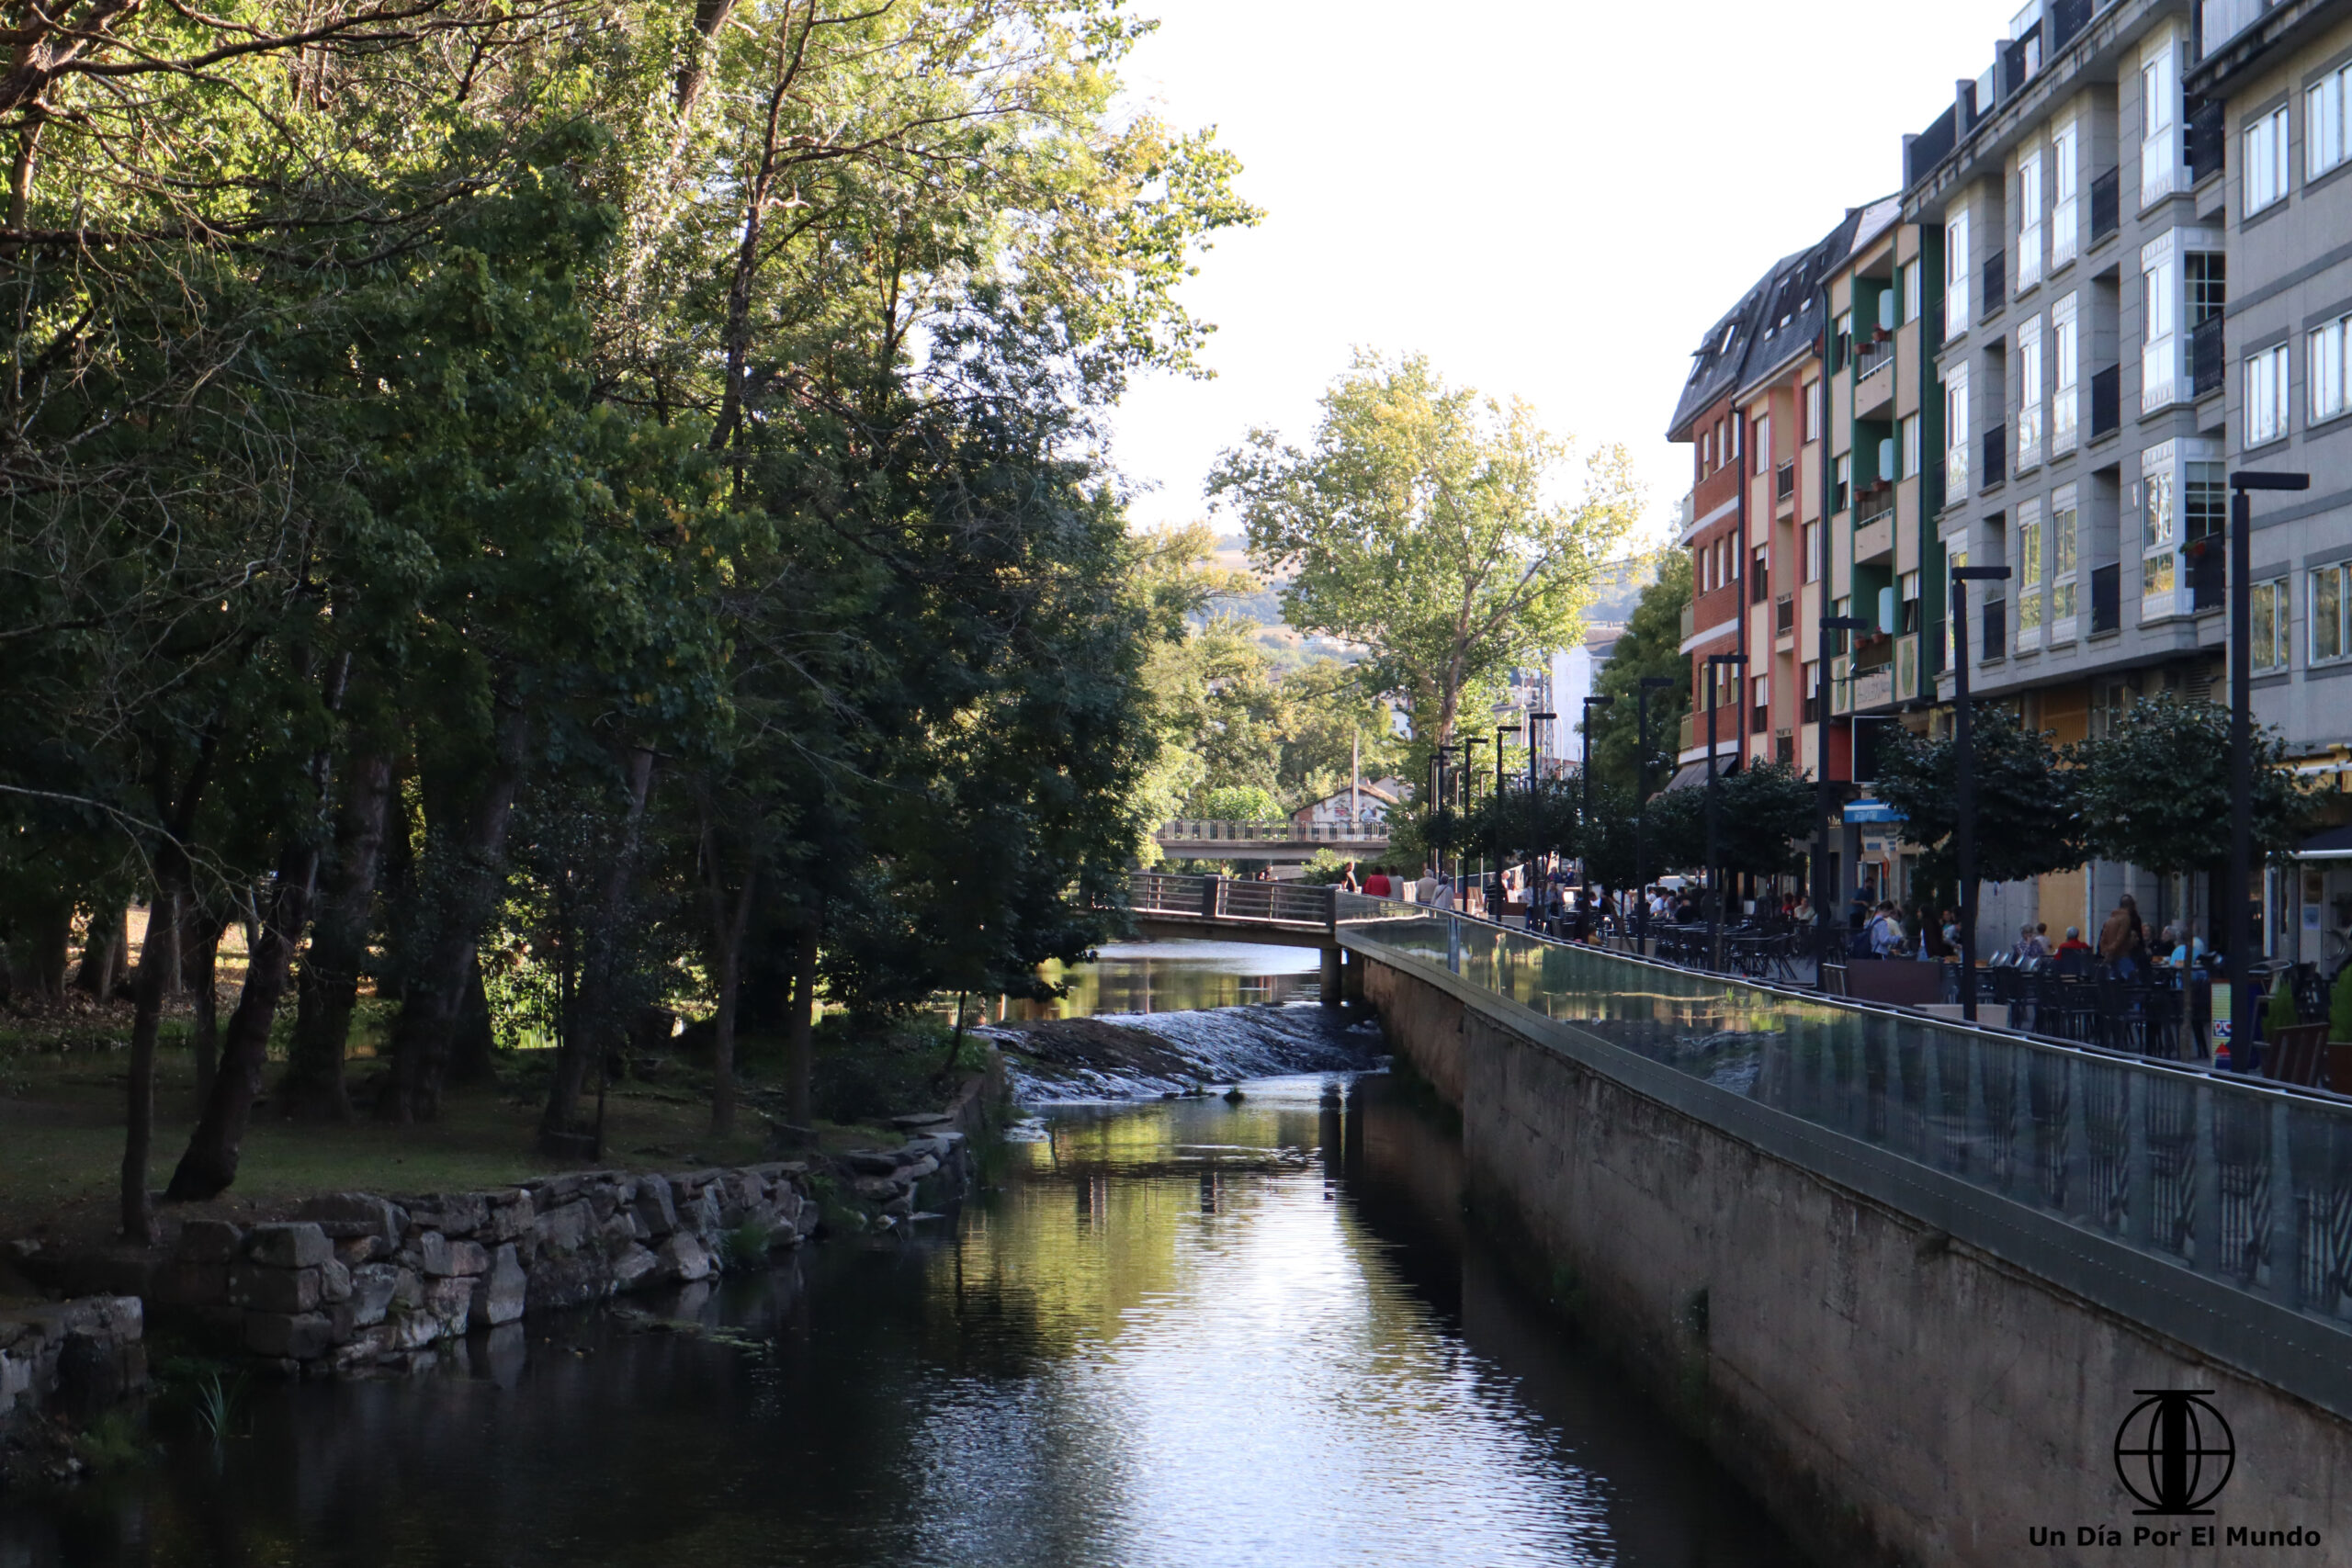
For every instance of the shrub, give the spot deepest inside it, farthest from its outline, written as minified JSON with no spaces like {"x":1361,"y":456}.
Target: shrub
{"x":745,"y":1247}
{"x":2339,"y":1012}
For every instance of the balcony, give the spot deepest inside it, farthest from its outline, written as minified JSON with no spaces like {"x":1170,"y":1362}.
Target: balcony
{"x":1784,"y":616}
{"x":1996,"y":292}
{"x":2205,"y":362}
{"x":1689,"y":622}
{"x":2107,"y":599}
{"x":1874,"y":393}
{"x":1784,"y":481}
{"x":1875,"y":356}
{"x":2107,"y":204}
{"x":1874,"y":536}
{"x":2106,"y":402}
{"x":1995,"y":456}
{"x":1874,"y":688}
{"x":2207,"y":138}
{"x":2208,"y":565}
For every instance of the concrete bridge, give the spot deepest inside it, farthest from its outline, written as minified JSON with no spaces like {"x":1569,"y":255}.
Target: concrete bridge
{"x":1220,"y":908}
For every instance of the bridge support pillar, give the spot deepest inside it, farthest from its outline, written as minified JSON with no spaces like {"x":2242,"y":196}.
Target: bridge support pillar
{"x":1331,"y":996}
{"x":1352,"y":978}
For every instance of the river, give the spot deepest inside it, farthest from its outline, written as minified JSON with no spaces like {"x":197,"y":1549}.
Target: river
{"x":1200,"y":1332}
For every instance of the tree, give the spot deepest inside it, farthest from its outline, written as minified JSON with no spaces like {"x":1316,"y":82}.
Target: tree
{"x":1422,"y":524}
{"x":1763,"y":812}
{"x":2030,"y":818}
{"x":2155,"y":789}
{"x":1651,"y":646}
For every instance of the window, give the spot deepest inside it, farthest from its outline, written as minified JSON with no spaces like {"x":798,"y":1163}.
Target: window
{"x":1956,"y":274}
{"x":2204,"y":499}
{"x":1953,"y":560}
{"x":2160,"y":356}
{"x":2266,"y":160}
{"x":1759,"y":577}
{"x":2065,"y":541}
{"x":2029,"y":218}
{"x":2159,"y":113}
{"x":2066,"y":360}
{"x":2030,"y":393}
{"x":1811,"y":572}
{"x":2324,"y":123}
{"x":1764,"y":445}
{"x":2065,"y":181}
{"x":1910,"y":427}
{"x":2266,"y":396}
{"x":2323,"y":368}
{"x":2331,"y":638}
{"x":1842,"y":487}
{"x":1812,"y":411}
{"x":2268,"y":621}
{"x":1956,"y":432}
{"x":2159,"y":536}
{"x":2029,"y":575}
{"x":1914,"y":284}
{"x":1841,"y":340}
{"x":2208,"y":285}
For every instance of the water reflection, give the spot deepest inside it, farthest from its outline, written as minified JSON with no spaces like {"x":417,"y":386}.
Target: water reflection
{"x":1176,"y":976}
{"x":1191,"y":1333}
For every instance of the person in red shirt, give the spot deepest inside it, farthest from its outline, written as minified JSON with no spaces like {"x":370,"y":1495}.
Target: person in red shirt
{"x":2073,"y":943}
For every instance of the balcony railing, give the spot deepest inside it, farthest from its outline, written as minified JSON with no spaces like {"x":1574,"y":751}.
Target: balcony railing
{"x":2205,"y":363}
{"x":1874,"y":536}
{"x":1784,"y":616}
{"x":1874,"y":688}
{"x":2206,"y":140}
{"x":1875,"y":355}
{"x":1784,"y":481}
{"x":1997,"y":457}
{"x":1199,"y":830}
{"x":2107,"y":401}
{"x":2107,"y":204}
{"x":2107,"y":598}
{"x":1996,"y":291}
{"x":2208,"y":565}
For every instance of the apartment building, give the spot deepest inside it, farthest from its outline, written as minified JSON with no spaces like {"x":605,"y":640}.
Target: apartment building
{"x":2277,"y":80}
{"x":1753,"y":413}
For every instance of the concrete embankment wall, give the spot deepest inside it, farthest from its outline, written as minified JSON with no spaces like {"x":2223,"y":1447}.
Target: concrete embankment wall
{"x":1895,"y":1390}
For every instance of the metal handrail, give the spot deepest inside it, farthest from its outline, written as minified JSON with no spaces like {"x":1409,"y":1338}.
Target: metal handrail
{"x":2230,"y":1177}
{"x":1213,"y":830}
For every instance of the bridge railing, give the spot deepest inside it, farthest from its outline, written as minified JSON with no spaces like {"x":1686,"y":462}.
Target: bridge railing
{"x":1223,"y":898}
{"x":2240,"y":1180}
{"x":1203,"y":831}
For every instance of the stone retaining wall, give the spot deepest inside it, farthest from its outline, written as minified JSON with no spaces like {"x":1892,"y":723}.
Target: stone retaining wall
{"x":78,"y":1354}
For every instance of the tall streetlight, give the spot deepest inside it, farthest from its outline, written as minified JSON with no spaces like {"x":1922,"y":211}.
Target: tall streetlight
{"x":1469,"y":780}
{"x":1716,"y":662}
{"x":1824,"y":891}
{"x":1964,"y":777}
{"x":2241,"y":951}
{"x":1534,"y":811}
{"x":1495,"y":906}
{"x":1642,"y":801}
{"x":1584,"y":820}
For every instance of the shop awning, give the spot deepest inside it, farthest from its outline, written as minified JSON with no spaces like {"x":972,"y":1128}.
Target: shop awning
{"x":1693,"y":775}
{"x":2332,"y":843}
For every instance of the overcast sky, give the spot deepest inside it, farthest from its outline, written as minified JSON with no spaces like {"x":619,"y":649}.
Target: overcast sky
{"x":1550,"y":198}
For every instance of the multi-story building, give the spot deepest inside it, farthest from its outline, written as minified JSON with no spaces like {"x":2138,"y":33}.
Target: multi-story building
{"x":2277,"y":80}
{"x":1754,"y":413}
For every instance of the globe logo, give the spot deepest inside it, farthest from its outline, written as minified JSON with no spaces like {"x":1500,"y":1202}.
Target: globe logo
{"x":2173,"y":1452}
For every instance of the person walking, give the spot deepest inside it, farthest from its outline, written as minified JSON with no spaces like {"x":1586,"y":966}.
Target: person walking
{"x":2122,"y":938}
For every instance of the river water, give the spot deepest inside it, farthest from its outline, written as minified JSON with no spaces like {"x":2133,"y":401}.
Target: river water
{"x":1181,"y":1333}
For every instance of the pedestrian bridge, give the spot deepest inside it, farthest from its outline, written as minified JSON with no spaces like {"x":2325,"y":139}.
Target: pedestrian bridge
{"x":1220,"y":908}
{"x":1286,"y":843}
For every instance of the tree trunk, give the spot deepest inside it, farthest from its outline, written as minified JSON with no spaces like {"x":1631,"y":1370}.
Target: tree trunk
{"x":727,"y":943}
{"x":798,"y":1046}
{"x":472,"y":1045}
{"x":107,"y":934}
{"x":463,"y":885}
{"x":157,"y":961}
{"x":210,"y":1166}
{"x":591,"y":1025}
{"x":329,"y":985}
{"x":200,"y":974}
{"x":52,"y":947}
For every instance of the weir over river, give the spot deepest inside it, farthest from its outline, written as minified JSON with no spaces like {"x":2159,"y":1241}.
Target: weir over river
{"x":1193,"y":1331}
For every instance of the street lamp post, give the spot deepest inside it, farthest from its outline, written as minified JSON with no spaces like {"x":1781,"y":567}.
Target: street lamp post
{"x":1641,"y":801}
{"x":2241,"y":949}
{"x":1469,"y":800}
{"x":1964,"y":777}
{"x":1716,"y":662}
{"x":1535,"y":820}
{"x":1825,"y":890}
{"x":1495,"y":906}
{"x":1584,"y":820}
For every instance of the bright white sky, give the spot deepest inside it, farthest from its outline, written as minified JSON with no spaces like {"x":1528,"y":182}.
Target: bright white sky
{"x":1551,"y":198}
